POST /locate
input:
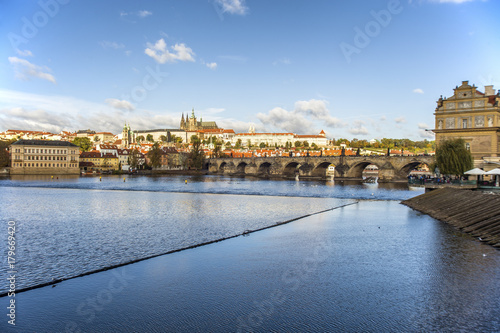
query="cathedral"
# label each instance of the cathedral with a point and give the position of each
(192, 124)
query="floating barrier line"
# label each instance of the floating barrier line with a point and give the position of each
(244, 233)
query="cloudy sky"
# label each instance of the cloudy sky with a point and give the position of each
(357, 69)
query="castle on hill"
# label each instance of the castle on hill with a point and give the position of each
(192, 124)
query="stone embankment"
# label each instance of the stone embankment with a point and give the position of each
(474, 212)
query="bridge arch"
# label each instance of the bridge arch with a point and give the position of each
(264, 169)
(321, 169)
(356, 171)
(291, 169)
(241, 167)
(407, 168)
(222, 167)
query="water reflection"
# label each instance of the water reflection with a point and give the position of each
(64, 232)
(226, 185)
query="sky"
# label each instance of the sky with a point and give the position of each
(364, 69)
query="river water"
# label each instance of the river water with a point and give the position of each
(374, 265)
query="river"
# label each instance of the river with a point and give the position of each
(373, 265)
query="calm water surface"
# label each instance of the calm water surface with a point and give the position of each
(372, 266)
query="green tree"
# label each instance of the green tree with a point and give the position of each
(84, 143)
(4, 153)
(154, 155)
(314, 146)
(262, 145)
(195, 138)
(218, 151)
(96, 138)
(140, 138)
(298, 144)
(134, 158)
(149, 138)
(163, 138)
(453, 158)
(196, 155)
(305, 144)
(238, 144)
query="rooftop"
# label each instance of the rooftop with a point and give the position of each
(44, 143)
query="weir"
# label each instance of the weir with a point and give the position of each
(476, 213)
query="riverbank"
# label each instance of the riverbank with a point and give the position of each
(474, 212)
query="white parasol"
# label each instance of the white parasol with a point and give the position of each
(493, 172)
(475, 172)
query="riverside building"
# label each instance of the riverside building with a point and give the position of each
(42, 157)
(475, 117)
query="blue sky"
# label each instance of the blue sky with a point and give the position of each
(356, 69)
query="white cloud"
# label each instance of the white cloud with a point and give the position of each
(306, 118)
(383, 118)
(144, 13)
(19, 110)
(140, 13)
(400, 120)
(418, 91)
(160, 53)
(358, 128)
(111, 45)
(233, 6)
(26, 70)
(425, 134)
(423, 126)
(283, 61)
(119, 104)
(25, 53)
(212, 65)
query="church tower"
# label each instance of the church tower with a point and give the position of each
(125, 136)
(183, 122)
(193, 124)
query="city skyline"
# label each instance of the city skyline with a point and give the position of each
(363, 69)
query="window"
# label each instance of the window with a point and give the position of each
(467, 146)
(464, 123)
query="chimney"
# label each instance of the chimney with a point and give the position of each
(465, 83)
(489, 91)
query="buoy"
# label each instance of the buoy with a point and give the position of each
(124, 180)
(186, 181)
(52, 177)
(100, 178)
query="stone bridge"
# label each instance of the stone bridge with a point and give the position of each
(391, 168)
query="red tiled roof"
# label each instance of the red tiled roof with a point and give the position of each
(274, 134)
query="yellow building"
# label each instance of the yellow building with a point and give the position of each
(42, 157)
(99, 162)
(475, 117)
